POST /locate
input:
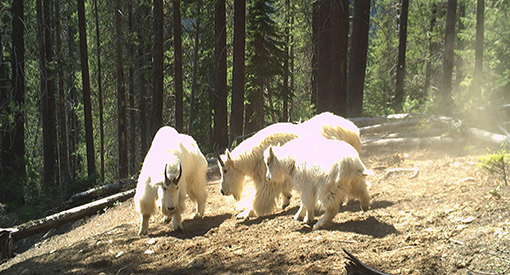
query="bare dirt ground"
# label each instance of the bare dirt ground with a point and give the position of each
(445, 220)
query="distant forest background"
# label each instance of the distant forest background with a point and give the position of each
(84, 85)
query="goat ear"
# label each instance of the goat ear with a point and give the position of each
(271, 154)
(176, 180)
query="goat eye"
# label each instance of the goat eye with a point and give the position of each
(164, 188)
(225, 171)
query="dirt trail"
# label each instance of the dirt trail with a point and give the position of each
(442, 221)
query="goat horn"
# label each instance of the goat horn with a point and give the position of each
(167, 181)
(215, 148)
(176, 180)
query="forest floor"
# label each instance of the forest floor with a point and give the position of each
(450, 218)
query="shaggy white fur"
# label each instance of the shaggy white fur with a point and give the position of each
(326, 172)
(173, 167)
(334, 127)
(247, 159)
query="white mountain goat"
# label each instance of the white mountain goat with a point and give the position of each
(247, 159)
(173, 167)
(332, 126)
(328, 172)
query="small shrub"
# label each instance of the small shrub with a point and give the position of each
(496, 163)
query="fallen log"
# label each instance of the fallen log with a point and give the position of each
(496, 139)
(101, 191)
(391, 126)
(415, 171)
(368, 121)
(428, 133)
(55, 220)
(415, 142)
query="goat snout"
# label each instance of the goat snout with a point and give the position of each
(223, 192)
(170, 208)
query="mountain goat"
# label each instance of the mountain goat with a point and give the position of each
(334, 127)
(173, 167)
(328, 172)
(247, 159)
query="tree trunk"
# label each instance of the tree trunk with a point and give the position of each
(65, 176)
(432, 48)
(144, 82)
(237, 109)
(74, 123)
(157, 97)
(5, 139)
(323, 54)
(446, 93)
(18, 72)
(121, 95)
(132, 159)
(52, 221)
(195, 69)
(402, 42)
(459, 64)
(99, 93)
(480, 9)
(89, 135)
(358, 58)
(220, 98)
(287, 91)
(339, 45)
(178, 66)
(315, 53)
(47, 94)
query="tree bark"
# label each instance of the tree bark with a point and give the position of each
(358, 58)
(179, 91)
(99, 93)
(89, 135)
(132, 155)
(287, 90)
(63, 150)
(237, 109)
(339, 44)
(74, 123)
(480, 9)
(121, 95)
(47, 94)
(220, 98)
(391, 126)
(446, 93)
(18, 71)
(459, 63)
(432, 48)
(157, 67)
(411, 142)
(144, 77)
(402, 43)
(323, 54)
(33, 227)
(315, 53)
(195, 69)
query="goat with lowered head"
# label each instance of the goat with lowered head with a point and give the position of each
(247, 159)
(325, 172)
(173, 167)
